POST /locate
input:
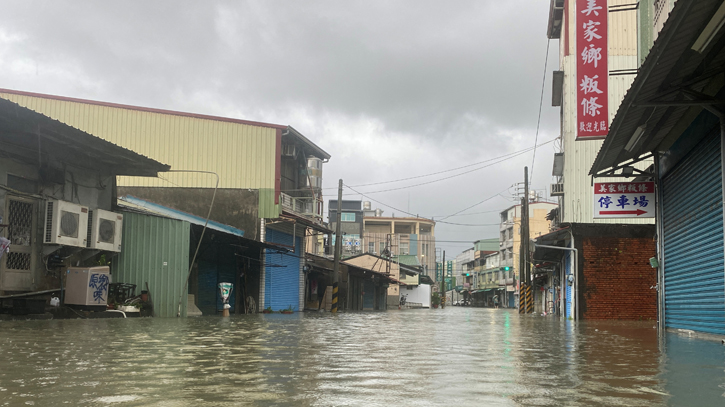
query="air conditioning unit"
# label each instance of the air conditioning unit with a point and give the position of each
(104, 230)
(66, 223)
(557, 189)
(288, 150)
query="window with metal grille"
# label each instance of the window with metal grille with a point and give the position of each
(18, 261)
(20, 223)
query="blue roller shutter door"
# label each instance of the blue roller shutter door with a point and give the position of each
(692, 214)
(282, 275)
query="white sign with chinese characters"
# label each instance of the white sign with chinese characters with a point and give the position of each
(624, 200)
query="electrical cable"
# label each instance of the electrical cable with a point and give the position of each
(452, 176)
(474, 205)
(541, 103)
(501, 158)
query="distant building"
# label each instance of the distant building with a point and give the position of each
(393, 236)
(351, 226)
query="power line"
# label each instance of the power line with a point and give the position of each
(415, 215)
(541, 103)
(474, 205)
(446, 178)
(499, 158)
(509, 155)
(451, 176)
(467, 214)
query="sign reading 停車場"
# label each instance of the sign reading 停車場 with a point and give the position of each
(592, 95)
(624, 200)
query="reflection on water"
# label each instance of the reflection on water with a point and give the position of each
(456, 356)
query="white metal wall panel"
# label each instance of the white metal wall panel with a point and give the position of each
(577, 203)
(694, 273)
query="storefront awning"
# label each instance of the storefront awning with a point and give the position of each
(681, 76)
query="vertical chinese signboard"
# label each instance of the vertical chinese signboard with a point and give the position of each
(592, 71)
(624, 200)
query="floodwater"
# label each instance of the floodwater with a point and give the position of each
(457, 356)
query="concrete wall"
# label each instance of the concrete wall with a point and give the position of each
(94, 189)
(233, 207)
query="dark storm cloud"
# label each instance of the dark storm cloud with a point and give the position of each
(389, 88)
(438, 69)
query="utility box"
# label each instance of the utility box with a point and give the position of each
(87, 285)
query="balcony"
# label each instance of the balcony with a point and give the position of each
(305, 206)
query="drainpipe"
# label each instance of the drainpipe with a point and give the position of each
(574, 264)
(660, 250)
(262, 276)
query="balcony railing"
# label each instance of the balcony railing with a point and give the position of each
(305, 206)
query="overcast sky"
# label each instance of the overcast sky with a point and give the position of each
(391, 89)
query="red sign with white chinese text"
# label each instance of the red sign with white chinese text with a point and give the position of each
(592, 95)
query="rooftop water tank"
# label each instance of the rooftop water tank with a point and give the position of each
(314, 173)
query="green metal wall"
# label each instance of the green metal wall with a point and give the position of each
(155, 250)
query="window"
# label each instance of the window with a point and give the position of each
(382, 247)
(371, 247)
(348, 217)
(404, 247)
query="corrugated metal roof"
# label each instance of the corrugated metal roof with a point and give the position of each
(54, 138)
(155, 208)
(670, 66)
(490, 245)
(407, 259)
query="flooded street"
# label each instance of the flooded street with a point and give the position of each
(456, 356)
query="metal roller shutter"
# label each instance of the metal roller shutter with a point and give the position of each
(282, 273)
(694, 277)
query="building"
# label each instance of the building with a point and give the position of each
(573, 187)
(610, 272)
(599, 54)
(53, 179)
(360, 288)
(510, 237)
(393, 272)
(408, 236)
(351, 226)
(491, 280)
(263, 178)
(673, 113)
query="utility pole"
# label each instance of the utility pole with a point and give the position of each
(525, 243)
(522, 272)
(443, 281)
(338, 249)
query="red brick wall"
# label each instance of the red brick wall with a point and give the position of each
(617, 278)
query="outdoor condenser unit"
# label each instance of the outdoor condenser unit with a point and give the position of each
(104, 230)
(87, 285)
(65, 223)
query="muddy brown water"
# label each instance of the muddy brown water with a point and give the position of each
(452, 357)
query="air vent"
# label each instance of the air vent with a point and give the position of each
(89, 235)
(49, 222)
